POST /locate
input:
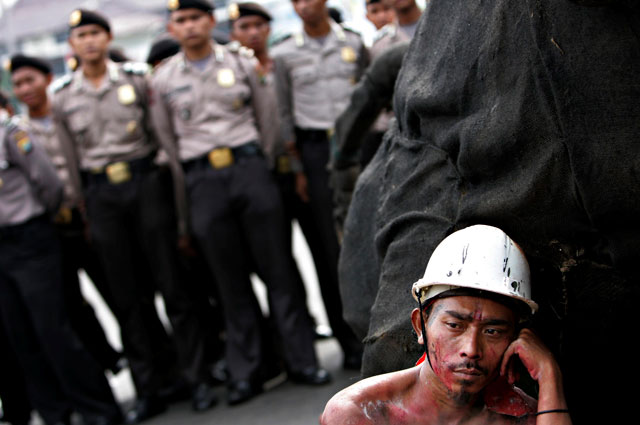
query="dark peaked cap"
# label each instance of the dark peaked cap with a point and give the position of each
(173, 5)
(239, 10)
(80, 17)
(19, 61)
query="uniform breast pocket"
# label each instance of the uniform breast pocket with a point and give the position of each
(303, 75)
(79, 120)
(127, 121)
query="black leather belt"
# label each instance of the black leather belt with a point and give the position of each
(118, 172)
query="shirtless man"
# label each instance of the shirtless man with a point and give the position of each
(475, 295)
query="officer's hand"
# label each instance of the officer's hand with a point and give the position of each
(301, 187)
(185, 246)
(533, 354)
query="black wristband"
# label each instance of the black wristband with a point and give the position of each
(552, 411)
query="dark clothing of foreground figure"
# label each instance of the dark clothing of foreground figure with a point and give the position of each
(523, 115)
(355, 143)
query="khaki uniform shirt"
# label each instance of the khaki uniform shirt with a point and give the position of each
(46, 136)
(99, 126)
(198, 111)
(29, 185)
(314, 80)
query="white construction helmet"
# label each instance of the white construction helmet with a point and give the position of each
(478, 257)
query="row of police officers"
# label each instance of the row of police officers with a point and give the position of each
(217, 150)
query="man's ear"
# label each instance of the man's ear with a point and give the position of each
(417, 326)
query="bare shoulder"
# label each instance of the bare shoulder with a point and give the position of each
(359, 403)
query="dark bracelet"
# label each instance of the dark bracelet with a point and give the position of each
(552, 411)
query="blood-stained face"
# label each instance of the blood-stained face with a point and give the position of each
(466, 339)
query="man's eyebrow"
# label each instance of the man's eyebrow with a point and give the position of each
(469, 318)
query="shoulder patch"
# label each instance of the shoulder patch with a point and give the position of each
(137, 68)
(61, 82)
(23, 141)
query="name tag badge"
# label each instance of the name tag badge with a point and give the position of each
(226, 77)
(126, 94)
(348, 54)
(118, 172)
(221, 158)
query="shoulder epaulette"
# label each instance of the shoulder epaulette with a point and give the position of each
(388, 30)
(351, 30)
(236, 47)
(61, 83)
(137, 68)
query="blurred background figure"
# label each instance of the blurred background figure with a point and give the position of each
(380, 12)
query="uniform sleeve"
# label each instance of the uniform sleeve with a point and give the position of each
(67, 146)
(30, 157)
(167, 139)
(285, 101)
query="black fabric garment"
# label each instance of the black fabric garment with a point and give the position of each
(59, 373)
(525, 116)
(133, 230)
(235, 209)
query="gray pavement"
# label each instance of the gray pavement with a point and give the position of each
(285, 404)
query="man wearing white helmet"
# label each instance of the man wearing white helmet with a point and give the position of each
(474, 297)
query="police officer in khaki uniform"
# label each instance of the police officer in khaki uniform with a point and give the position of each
(316, 70)
(206, 98)
(30, 77)
(402, 29)
(104, 126)
(379, 12)
(60, 374)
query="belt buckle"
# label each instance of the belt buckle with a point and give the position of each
(118, 172)
(221, 158)
(64, 216)
(284, 165)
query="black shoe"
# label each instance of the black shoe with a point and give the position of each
(311, 375)
(103, 420)
(241, 391)
(203, 397)
(119, 365)
(145, 408)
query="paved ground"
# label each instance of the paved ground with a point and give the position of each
(284, 404)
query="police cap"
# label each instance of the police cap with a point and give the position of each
(240, 10)
(80, 17)
(205, 5)
(162, 49)
(19, 61)
(368, 2)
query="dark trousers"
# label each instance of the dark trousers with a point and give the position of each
(133, 230)
(59, 372)
(320, 232)
(235, 210)
(16, 408)
(78, 254)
